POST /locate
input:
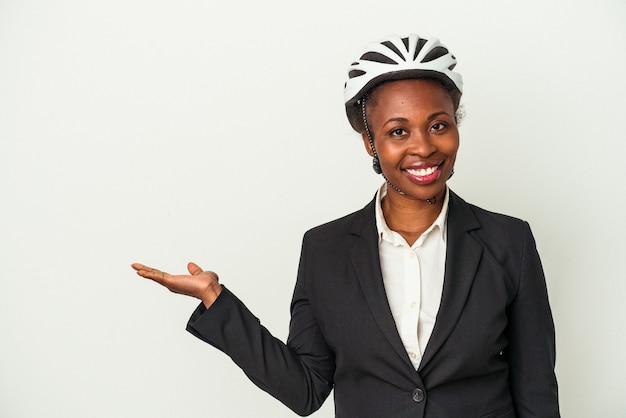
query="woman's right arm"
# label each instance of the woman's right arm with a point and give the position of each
(299, 373)
(299, 376)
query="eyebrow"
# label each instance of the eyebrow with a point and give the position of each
(431, 117)
(396, 120)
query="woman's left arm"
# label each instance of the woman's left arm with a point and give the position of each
(531, 350)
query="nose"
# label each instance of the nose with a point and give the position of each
(421, 144)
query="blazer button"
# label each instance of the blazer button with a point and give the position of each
(418, 395)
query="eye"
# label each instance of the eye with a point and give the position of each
(397, 132)
(439, 126)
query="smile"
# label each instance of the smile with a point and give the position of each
(422, 172)
(423, 175)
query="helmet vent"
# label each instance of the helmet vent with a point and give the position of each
(420, 44)
(405, 41)
(391, 46)
(377, 57)
(355, 73)
(435, 53)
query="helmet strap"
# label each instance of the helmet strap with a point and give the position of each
(375, 160)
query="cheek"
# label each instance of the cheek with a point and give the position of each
(455, 149)
(451, 146)
(389, 152)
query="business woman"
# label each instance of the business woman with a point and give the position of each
(417, 305)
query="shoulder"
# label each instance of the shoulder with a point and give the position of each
(502, 235)
(484, 220)
(506, 238)
(356, 223)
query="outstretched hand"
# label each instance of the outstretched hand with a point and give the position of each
(203, 285)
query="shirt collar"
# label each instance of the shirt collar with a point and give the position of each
(386, 234)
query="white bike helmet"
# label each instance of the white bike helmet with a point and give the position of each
(397, 58)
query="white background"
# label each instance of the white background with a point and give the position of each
(169, 131)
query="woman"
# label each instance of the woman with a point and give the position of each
(418, 305)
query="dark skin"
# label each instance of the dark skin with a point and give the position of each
(415, 134)
(203, 285)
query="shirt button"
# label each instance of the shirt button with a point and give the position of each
(413, 305)
(412, 355)
(418, 395)
(412, 255)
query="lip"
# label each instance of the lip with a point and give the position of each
(423, 173)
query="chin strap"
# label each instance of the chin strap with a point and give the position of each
(375, 160)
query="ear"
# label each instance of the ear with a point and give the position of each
(366, 142)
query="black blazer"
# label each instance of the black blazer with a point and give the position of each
(491, 353)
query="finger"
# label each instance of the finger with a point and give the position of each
(142, 269)
(138, 266)
(158, 276)
(194, 269)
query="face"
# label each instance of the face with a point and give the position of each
(415, 134)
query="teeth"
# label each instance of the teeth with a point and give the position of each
(423, 171)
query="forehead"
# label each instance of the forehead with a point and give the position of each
(410, 92)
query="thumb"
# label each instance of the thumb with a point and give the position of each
(194, 269)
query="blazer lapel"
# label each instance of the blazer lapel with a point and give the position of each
(463, 255)
(366, 262)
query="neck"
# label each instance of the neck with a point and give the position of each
(408, 216)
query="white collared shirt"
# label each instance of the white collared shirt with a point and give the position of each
(413, 277)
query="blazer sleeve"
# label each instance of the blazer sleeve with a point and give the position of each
(299, 373)
(531, 350)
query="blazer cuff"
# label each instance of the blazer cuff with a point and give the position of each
(223, 324)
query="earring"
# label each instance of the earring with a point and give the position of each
(451, 173)
(376, 165)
